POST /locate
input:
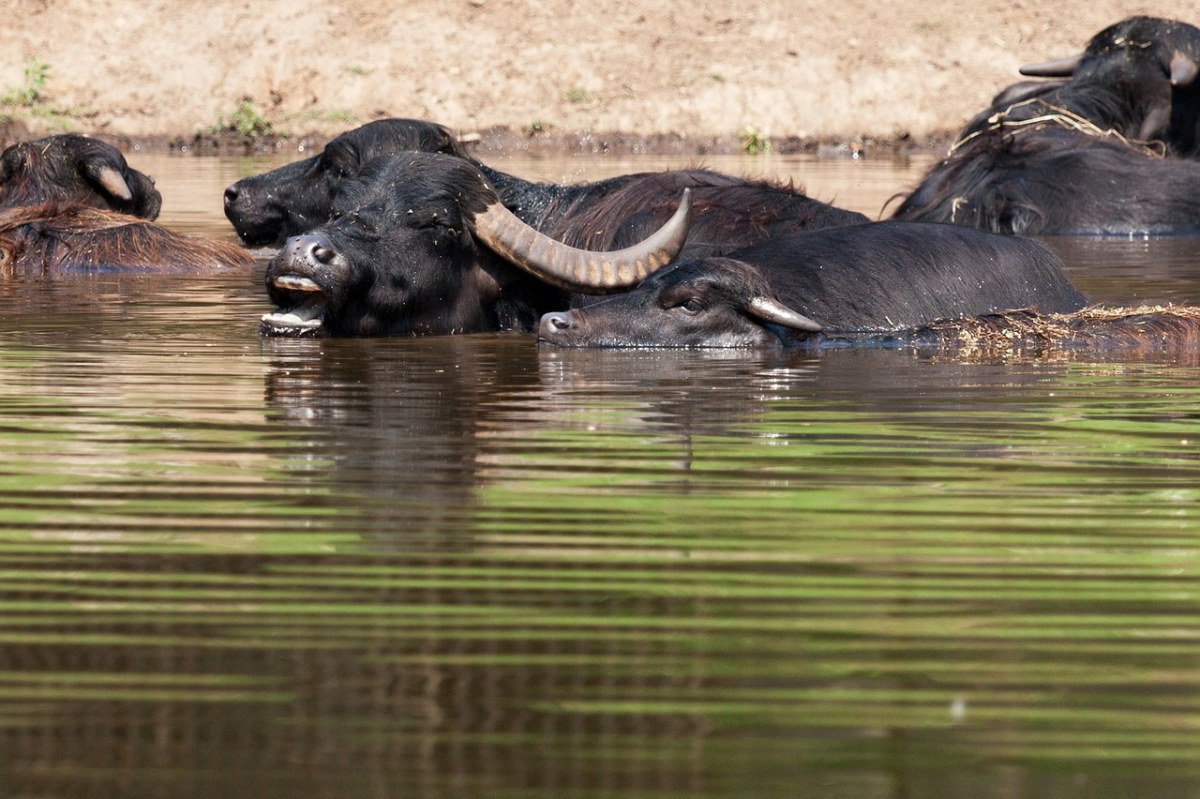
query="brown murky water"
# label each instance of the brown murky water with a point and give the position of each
(466, 566)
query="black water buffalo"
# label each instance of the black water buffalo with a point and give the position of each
(69, 168)
(875, 280)
(412, 247)
(266, 209)
(1054, 180)
(49, 239)
(294, 199)
(1137, 78)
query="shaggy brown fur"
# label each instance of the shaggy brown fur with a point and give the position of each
(51, 238)
(1144, 329)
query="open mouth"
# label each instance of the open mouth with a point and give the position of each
(302, 319)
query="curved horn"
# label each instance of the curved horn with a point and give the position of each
(112, 182)
(1058, 68)
(582, 270)
(774, 311)
(1183, 70)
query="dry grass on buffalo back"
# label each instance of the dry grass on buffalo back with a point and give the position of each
(1144, 329)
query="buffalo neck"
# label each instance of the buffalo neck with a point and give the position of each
(547, 206)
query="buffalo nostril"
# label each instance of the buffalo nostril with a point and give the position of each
(321, 254)
(231, 195)
(558, 321)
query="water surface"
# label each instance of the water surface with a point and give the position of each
(466, 566)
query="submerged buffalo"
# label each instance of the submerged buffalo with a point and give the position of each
(877, 280)
(266, 209)
(50, 239)
(1056, 181)
(424, 244)
(73, 169)
(295, 199)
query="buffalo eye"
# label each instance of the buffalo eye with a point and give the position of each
(693, 305)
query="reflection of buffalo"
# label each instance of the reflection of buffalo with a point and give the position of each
(265, 209)
(879, 279)
(49, 239)
(401, 422)
(73, 169)
(426, 243)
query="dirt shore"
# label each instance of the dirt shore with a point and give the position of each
(631, 75)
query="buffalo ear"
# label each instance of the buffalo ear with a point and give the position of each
(770, 310)
(1183, 70)
(1157, 118)
(109, 180)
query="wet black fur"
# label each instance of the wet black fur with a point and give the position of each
(404, 224)
(266, 209)
(1122, 84)
(876, 278)
(1058, 181)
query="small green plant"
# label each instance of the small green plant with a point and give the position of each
(576, 95)
(29, 93)
(247, 121)
(535, 127)
(753, 142)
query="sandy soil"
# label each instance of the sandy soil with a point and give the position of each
(662, 75)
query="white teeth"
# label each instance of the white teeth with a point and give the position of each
(306, 316)
(295, 283)
(289, 319)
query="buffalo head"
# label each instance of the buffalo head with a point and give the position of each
(712, 302)
(295, 198)
(69, 168)
(1147, 63)
(421, 244)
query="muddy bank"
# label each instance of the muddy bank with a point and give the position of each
(707, 77)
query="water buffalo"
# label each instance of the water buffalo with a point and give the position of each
(69, 168)
(49, 239)
(876, 280)
(412, 248)
(1054, 181)
(266, 209)
(294, 199)
(1136, 78)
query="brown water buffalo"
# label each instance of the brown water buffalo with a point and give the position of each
(73, 169)
(51, 239)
